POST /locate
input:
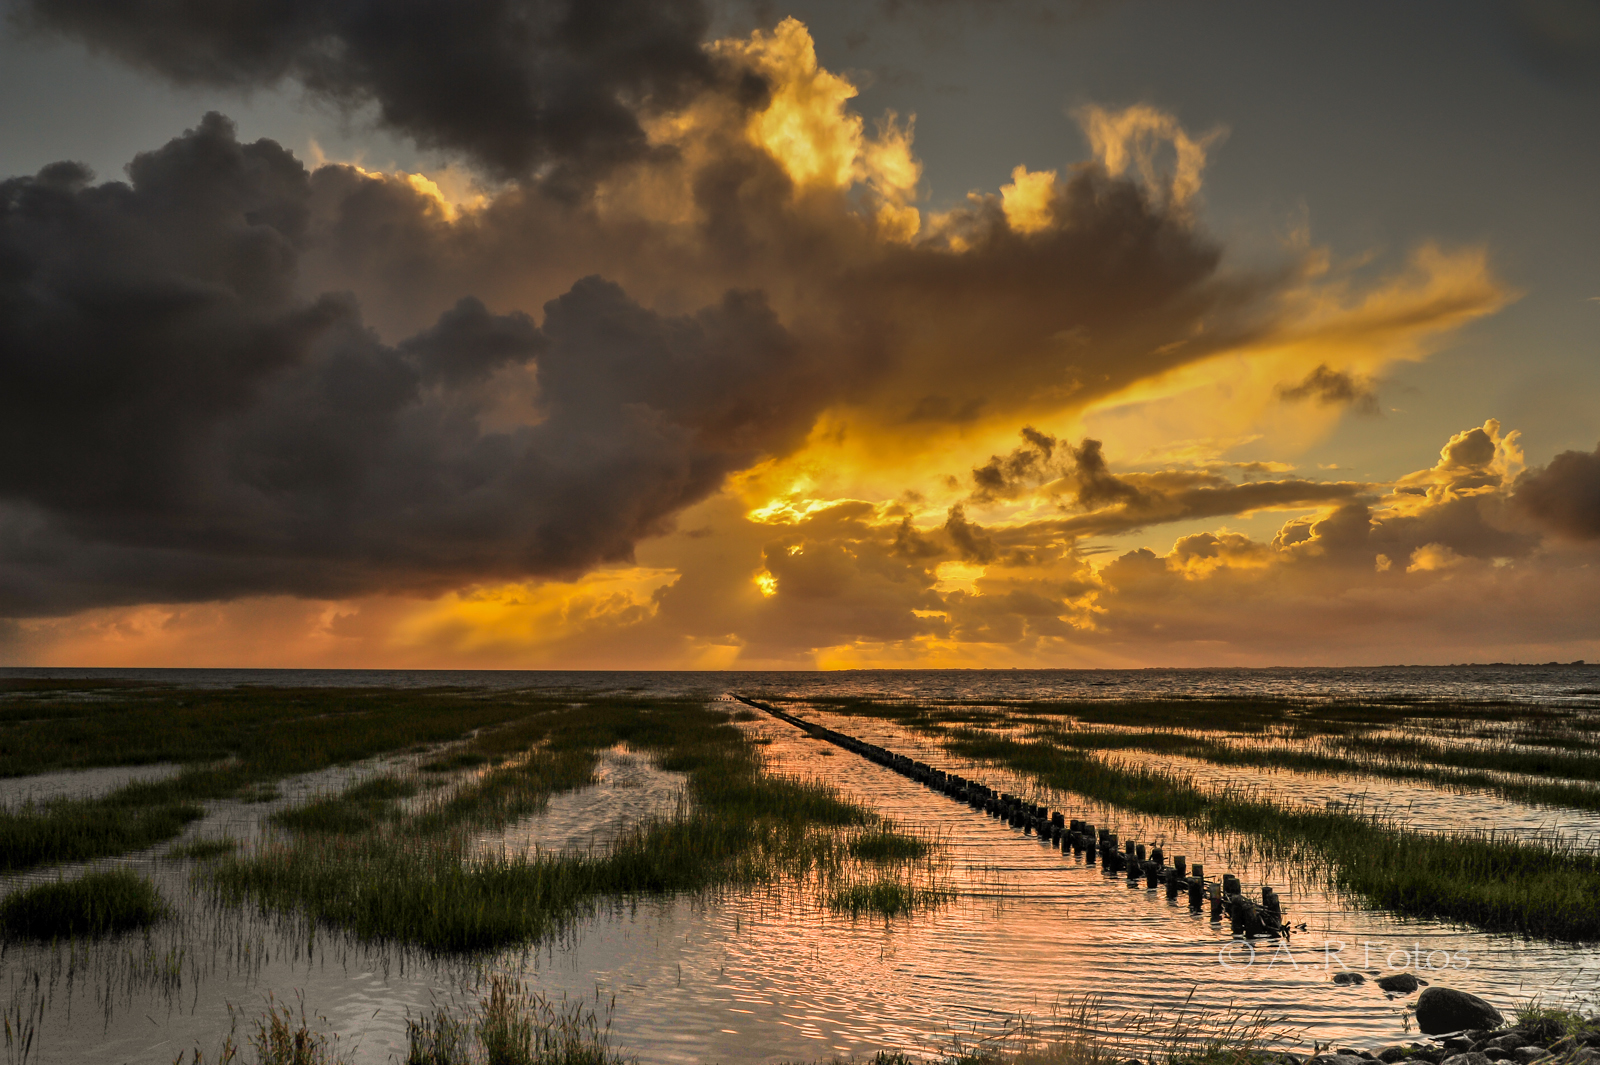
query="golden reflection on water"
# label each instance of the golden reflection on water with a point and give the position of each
(766, 974)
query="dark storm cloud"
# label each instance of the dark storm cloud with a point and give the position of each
(1169, 498)
(516, 85)
(1331, 387)
(1081, 470)
(1565, 495)
(1122, 503)
(179, 424)
(1115, 289)
(1117, 286)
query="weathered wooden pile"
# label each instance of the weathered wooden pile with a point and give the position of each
(1225, 898)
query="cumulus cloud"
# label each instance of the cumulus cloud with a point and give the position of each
(234, 376)
(1079, 479)
(1565, 495)
(524, 88)
(193, 429)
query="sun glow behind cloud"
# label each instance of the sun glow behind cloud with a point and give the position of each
(907, 354)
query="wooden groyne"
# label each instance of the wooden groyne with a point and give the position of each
(1224, 897)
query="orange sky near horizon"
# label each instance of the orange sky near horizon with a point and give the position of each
(1051, 424)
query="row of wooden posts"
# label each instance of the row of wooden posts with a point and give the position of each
(1225, 897)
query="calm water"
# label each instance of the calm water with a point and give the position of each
(765, 976)
(1564, 685)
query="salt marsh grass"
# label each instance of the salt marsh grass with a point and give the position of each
(233, 744)
(95, 904)
(885, 844)
(1491, 883)
(201, 850)
(76, 830)
(884, 896)
(416, 878)
(512, 1025)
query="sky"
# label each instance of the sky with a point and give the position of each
(691, 334)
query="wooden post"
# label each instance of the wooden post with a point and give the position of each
(1089, 844)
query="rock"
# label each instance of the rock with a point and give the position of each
(1389, 1055)
(1444, 1009)
(1399, 983)
(1341, 1059)
(1470, 1057)
(1457, 1044)
(1347, 979)
(1496, 1054)
(1527, 1055)
(1509, 1041)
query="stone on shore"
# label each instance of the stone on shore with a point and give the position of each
(1470, 1057)
(1399, 983)
(1342, 1059)
(1444, 1009)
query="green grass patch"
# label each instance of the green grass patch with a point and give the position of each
(269, 732)
(356, 809)
(884, 844)
(1544, 1025)
(1373, 764)
(1339, 732)
(417, 880)
(458, 760)
(93, 905)
(235, 744)
(1494, 884)
(511, 792)
(202, 850)
(883, 896)
(79, 830)
(512, 1025)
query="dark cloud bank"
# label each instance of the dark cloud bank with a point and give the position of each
(177, 424)
(544, 87)
(229, 375)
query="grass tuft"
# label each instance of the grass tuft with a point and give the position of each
(457, 760)
(883, 896)
(886, 845)
(1544, 1025)
(95, 904)
(281, 1038)
(356, 809)
(512, 1025)
(202, 850)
